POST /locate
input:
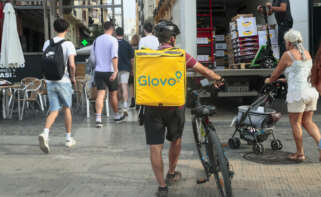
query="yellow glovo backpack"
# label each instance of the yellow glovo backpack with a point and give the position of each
(160, 77)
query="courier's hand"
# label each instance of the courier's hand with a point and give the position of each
(219, 83)
(113, 76)
(267, 80)
(282, 80)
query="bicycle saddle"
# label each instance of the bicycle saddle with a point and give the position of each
(204, 110)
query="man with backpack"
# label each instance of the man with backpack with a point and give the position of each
(57, 53)
(106, 71)
(158, 120)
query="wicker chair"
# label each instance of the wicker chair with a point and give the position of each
(30, 92)
(79, 93)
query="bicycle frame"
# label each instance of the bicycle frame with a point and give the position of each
(208, 126)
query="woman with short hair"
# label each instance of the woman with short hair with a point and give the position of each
(302, 98)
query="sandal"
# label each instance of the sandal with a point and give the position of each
(173, 178)
(296, 157)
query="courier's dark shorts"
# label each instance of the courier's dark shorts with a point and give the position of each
(102, 80)
(159, 120)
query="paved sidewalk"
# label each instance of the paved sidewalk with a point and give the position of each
(114, 161)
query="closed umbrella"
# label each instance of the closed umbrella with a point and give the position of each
(11, 50)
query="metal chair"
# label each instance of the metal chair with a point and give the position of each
(28, 93)
(90, 96)
(6, 97)
(44, 93)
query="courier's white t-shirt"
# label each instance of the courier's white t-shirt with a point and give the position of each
(149, 42)
(68, 49)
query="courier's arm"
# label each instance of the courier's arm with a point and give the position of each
(208, 73)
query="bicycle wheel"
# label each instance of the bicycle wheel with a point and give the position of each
(220, 164)
(200, 142)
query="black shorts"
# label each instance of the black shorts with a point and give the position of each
(159, 122)
(102, 80)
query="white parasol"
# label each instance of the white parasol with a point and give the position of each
(11, 50)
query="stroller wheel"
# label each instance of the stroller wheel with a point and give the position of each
(276, 144)
(234, 143)
(258, 148)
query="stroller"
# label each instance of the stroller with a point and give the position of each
(255, 122)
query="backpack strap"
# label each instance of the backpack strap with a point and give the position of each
(51, 42)
(60, 42)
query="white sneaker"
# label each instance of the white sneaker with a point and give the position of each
(120, 118)
(71, 142)
(43, 143)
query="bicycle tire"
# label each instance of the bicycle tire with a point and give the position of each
(219, 163)
(198, 144)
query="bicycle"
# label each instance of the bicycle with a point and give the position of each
(209, 148)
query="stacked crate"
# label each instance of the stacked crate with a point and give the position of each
(205, 32)
(244, 36)
(221, 59)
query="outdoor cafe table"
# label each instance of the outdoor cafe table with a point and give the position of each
(5, 90)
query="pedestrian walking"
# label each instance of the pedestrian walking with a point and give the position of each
(161, 122)
(283, 16)
(302, 98)
(134, 43)
(149, 41)
(106, 70)
(59, 91)
(125, 62)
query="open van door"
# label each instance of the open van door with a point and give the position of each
(315, 28)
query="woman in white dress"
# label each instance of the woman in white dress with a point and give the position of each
(302, 98)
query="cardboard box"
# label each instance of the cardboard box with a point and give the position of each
(246, 26)
(233, 26)
(263, 27)
(234, 35)
(263, 37)
(242, 15)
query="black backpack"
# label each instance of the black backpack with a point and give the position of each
(53, 61)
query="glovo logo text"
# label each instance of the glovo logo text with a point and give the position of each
(155, 82)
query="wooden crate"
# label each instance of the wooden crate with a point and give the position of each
(80, 70)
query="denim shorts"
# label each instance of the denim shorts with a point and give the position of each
(59, 95)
